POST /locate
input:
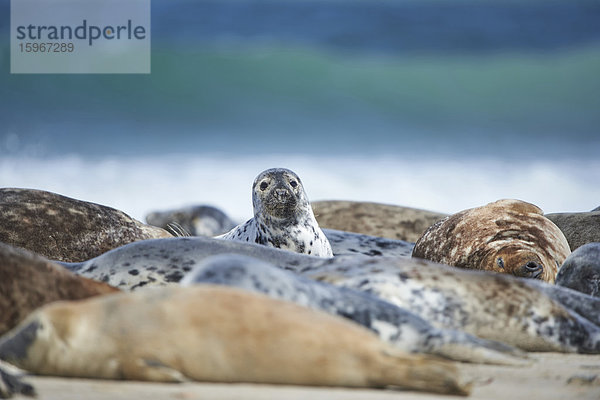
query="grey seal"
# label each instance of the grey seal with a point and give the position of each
(12, 383)
(200, 220)
(581, 270)
(282, 216)
(579, 227)
(392, 324)
(65, 229)
(506, 236)
(375, 219)
(349, 243)
(215, 334)
(492, 306)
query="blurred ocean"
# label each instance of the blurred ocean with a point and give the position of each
(423, 103)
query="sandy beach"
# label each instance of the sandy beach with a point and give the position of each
(553, 376)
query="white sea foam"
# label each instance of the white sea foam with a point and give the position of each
(144, 184)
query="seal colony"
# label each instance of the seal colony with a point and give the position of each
(507, 236)
(491, 306)
(392, 324)
(65, 229)
(214, 334)
(283, 217)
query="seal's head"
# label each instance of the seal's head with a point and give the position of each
(516, 259)
(278, 194)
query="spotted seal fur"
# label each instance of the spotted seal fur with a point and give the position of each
(393, 324)
(492, 306)
(282, 216)
(65, 229)
(507, 236)
(216, 334)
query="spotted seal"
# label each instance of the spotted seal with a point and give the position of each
(216, 334)
(581, 270)
(491, 306)
(375, 219)
(282, 216)
(200, 220)
(393, 324)
(507, 236)
(349, 243)
(28, 281)
(66, 229)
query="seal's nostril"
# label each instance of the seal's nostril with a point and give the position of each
(532, 266)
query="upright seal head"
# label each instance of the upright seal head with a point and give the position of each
(283, 217)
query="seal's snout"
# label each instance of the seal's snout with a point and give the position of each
(530, 270)
(281, 194)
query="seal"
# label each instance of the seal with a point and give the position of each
(28, 281)
(581, 270)
(349, 243)
(507, 236)
(200, 220)
(392, 324)
(215, 334)
(65, 229)
(579, 228)
(282, 216)
(11, 382)
(491, 306)
(375, 219)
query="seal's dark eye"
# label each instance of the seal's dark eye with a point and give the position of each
(263, 185)
(500, 262)
(294, 183)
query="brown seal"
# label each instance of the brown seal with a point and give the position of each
(28, 281)
(579, 228)
(375, 219)
(215, 334)
(508, 236)
(66, 229)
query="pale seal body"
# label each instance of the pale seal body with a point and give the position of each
(66, 229)
(349, 243)
(525, 313)
(215, 334)
(198, 220)
(581, 270)
(375, 219)
(507, 236)
(392, 324)
(283, 217)
(28, 281)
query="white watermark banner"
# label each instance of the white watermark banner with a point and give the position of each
(80, 36)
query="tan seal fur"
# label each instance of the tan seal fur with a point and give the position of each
(375, 219)
(28, 281)
(215, 334)
(66, 229)
(507, 236)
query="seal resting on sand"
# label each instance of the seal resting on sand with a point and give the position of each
(215, 334)
(507, 236)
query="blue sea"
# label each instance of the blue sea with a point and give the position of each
(430, 104)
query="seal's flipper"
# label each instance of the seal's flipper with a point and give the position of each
(11, 382)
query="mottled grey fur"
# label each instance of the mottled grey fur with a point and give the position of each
(393, 324)
(283, 217)
(581, 270)
(522, 312)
